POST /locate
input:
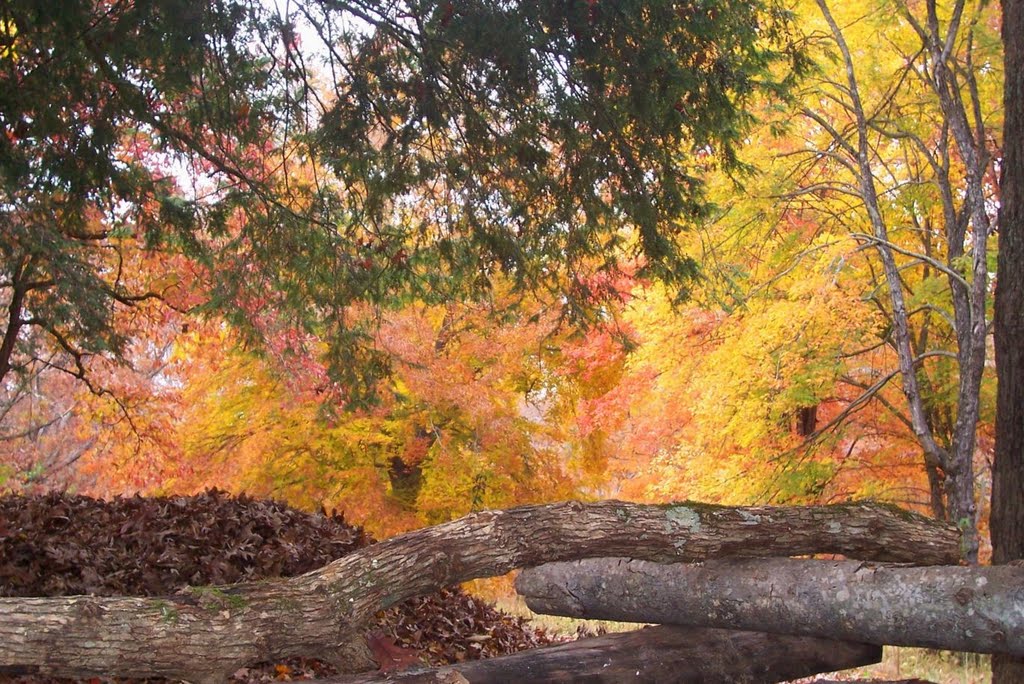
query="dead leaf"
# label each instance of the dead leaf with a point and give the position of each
(389, 656)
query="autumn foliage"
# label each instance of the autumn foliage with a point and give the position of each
(341, 331)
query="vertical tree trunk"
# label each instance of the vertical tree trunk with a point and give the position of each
(945, 62)
(969, 302)
(1008, 470)
(14, 322)
(935, 489)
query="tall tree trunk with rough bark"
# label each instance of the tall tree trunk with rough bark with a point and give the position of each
(1008, 470)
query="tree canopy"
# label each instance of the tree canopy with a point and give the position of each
(417, 203)
(351, 155)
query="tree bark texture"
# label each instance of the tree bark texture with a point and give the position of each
(1007, 521)
(952, 607)
(660, 655)
(204, 634)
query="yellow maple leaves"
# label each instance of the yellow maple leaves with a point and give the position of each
(8, 39)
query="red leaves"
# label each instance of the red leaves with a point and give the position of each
(390, 657)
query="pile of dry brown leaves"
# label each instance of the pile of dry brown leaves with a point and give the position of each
(60, 544)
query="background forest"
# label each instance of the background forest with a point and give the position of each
(220, 293)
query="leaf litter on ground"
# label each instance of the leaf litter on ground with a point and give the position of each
(61, 544)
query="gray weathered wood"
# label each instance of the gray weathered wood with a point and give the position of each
(660, 655)
(977, 609)
(204, 634)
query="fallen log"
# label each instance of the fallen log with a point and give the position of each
(660, 655)
(977, 609)
(203, 634)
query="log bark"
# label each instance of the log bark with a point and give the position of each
(977, 609)
(205, 634)
(660, 655)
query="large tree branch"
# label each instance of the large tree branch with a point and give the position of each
(870, 392)
(652, 655)
(33, 429)
(837, 137)
(957, 608)
(923, 258)
(880, 398)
